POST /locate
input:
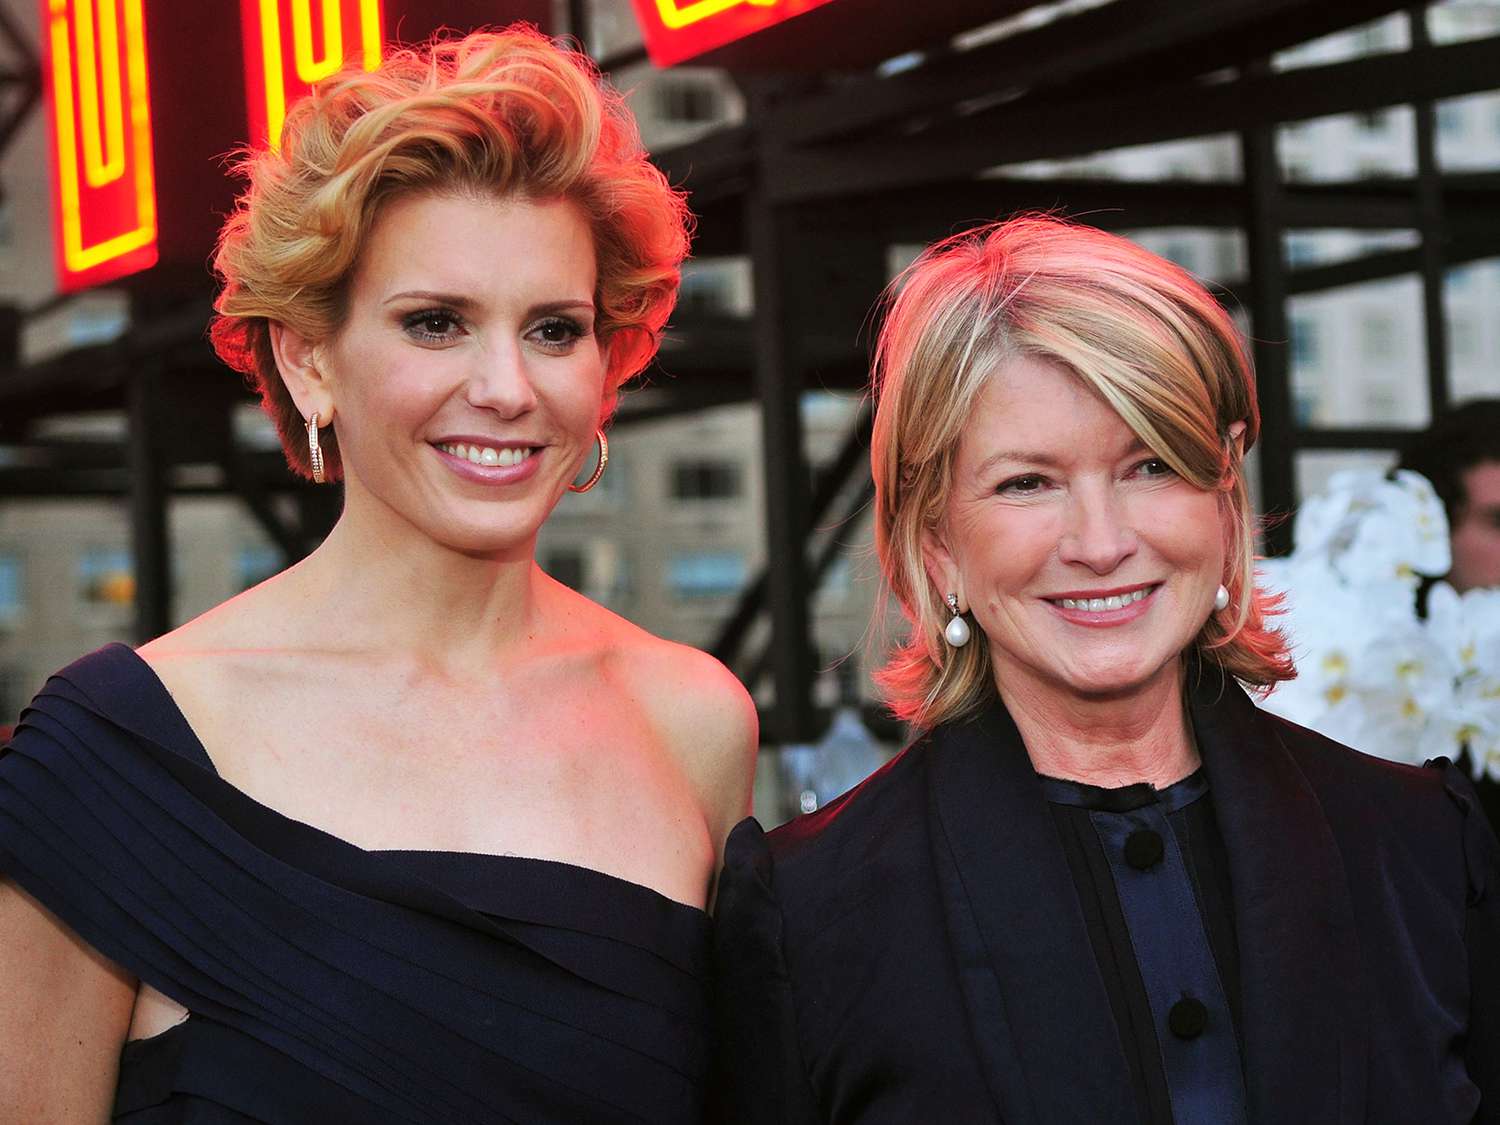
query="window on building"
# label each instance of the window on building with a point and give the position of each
(704, 291)
(1301, 250)
(687, 102)
(106, 577)
(1377, 336)
(1183, 252)
(1460, 279)
(1373, 38)
(255, 563)
(1305, 342)
(1450, 119)
(1375, 121)
(1463, 338)
(705, 480)
(12, 589)
(1382, 402)
(1296, 168)
(706, 574)
(1305, 404)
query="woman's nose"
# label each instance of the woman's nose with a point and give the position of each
(501, 382)
(1099, 534)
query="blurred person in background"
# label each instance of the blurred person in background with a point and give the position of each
(1460, 455)
(1101, 885)
(409, 831)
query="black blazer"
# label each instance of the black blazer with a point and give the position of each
(915, 952)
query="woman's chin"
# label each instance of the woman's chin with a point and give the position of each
(1116, 678)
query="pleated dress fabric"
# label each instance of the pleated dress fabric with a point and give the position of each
(327, 983)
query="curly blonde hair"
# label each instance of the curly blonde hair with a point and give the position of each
(1141, 332)
(494, 113)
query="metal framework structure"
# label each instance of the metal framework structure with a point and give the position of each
(829, 170)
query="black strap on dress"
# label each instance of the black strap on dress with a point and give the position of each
(326, 979)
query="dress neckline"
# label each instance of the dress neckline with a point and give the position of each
(1125, 798)
(186, 738)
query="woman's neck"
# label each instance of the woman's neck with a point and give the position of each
(386, 586)
(1109, 742)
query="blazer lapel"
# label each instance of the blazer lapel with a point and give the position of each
(1038, 1011)
(1302, 977)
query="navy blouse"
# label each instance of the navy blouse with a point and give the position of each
(1153, 883)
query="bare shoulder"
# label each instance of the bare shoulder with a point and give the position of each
(698, 708)
(250, 624)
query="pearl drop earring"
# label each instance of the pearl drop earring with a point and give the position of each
(956, 632)
(1221, 598)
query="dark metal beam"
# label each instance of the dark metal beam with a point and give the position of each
(1432, 223)
(1268, 320)
(778, 383)
(832, 479)
(1059, 127)
(1155, 37)
(146, 459)
(26, 79)
(1353, 438)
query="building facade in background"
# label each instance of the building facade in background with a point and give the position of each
(674, 531)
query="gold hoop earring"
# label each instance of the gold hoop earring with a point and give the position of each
(599, 468)
(315, 451)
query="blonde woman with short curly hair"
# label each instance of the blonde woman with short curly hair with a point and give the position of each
(409, 832)
(1100, 885)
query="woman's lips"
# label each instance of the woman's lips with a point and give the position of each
(1106, 611)
(495, 465)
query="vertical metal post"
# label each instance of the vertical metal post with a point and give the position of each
(1433, 225)
(578, 24)
(146, 457)
(778, 380)
(1268, 319)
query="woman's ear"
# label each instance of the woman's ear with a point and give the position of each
(942, 570)
(1237, 435)
(305, 379)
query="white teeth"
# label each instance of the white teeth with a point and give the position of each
(485, 455)
(1100, 605)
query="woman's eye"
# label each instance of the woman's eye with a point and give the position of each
(432, 325)
(1154, 467)
(558, 334)
(1021, 486)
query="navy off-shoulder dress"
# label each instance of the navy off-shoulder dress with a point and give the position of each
(327, 983)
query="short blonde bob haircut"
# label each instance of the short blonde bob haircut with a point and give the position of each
(494, 114)
(1149, 340)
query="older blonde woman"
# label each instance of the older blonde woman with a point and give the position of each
(410, 832)
(1101, 886)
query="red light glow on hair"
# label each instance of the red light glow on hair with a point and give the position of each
(678, 30)
(104, 190)
(291, 44)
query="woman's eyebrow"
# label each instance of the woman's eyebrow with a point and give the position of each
(437, 298)
(1017, 455)
(464, 303)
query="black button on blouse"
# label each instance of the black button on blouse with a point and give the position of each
(1153, 882)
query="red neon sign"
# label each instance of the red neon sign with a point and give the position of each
(677, 30)
(290, 44)
(104, 191)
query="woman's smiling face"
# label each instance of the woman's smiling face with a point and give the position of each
(466, 379)
(1088, 564)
